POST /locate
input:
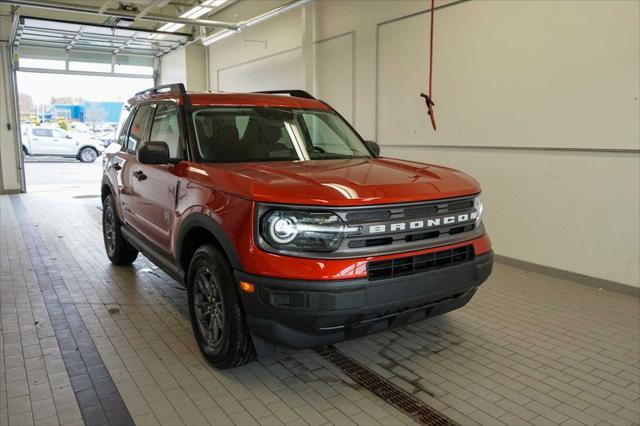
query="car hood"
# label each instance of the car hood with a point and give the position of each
(337, 182)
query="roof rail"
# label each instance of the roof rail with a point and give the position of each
(175, 88)
(294, 93)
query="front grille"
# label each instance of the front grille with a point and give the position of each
(397, 228)
(391, 268)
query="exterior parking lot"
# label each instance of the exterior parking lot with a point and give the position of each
(62, 174)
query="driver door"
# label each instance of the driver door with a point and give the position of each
(156, 186)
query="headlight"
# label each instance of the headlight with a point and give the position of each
(477, 204)
(303, 231)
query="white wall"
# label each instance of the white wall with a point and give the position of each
(185, 65)
(511, 80)
(195, 60)
(173, 67)
(268, 56)
(9, 167)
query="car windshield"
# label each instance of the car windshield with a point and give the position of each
(247, 134)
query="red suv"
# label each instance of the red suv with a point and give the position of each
(283, 224)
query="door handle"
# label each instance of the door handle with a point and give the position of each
(116, 167)
(139, 175)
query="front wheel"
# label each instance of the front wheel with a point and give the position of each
(87, 155)
(216, 312)
(119, 251)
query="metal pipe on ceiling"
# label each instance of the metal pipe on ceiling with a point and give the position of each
(221, 35)
(88, 10)
(272, 13)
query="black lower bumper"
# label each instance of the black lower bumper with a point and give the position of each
(304, 314)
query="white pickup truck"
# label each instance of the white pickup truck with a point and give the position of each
(57, 142)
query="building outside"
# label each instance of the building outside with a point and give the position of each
(78, 112)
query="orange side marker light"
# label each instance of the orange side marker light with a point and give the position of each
(247, 287)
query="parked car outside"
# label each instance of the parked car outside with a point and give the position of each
(284, 225)
(79, 127)
(54, 141)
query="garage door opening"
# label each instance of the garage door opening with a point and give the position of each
(66, 123)
(72, 81)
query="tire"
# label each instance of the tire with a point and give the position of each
(87, 155)
(119, 251)
(213, 293)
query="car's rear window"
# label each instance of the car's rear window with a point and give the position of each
(248, 134)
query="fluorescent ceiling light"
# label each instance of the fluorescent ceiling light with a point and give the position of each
(166, 26)
(214, 3)
(193, 13)
(215, 37)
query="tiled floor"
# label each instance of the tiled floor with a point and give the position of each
(83, 340)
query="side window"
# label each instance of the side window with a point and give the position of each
(58, 134)
(124, 129)
(139, 126)
(42, 133)
(165, 128)
(242, 121)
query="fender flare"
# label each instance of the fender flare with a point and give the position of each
(106, 182)
(207, 222)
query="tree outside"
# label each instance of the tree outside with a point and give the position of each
(27, 108)
(94, 114)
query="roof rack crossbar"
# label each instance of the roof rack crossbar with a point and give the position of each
(175, 88)
(295, 93)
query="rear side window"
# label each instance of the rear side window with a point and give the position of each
(139, 126)
(165, 128)
(43, 133)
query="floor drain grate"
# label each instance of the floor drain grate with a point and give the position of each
(392, 394)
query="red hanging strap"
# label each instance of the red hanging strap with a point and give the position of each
(428, 98)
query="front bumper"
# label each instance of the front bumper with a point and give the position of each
(304, 314)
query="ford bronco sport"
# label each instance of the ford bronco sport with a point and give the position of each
(283, 224)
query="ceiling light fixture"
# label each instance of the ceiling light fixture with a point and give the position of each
(193, 13)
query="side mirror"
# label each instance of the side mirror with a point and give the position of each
(153, 153)
(373, 146)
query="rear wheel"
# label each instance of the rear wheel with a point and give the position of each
(119, 251)
(87, 155)
(217, 316)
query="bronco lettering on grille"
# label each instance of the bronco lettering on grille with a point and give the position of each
(424, 224)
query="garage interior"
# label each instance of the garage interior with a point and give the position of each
(536, 100)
